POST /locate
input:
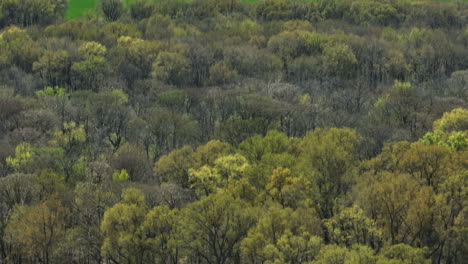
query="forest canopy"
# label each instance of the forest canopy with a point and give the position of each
(234, 132)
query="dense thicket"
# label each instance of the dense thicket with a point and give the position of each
(217, 132)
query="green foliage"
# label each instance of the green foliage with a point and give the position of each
(88, 73)
(112, 9)
(221, 73)
(328, 160)
(120, 227)
(171, 67)
(22, 50)
(71, 135)
(455, 120)
(51, 91)
(325, 109)
(175, 166)
(28, 12)
(23, 156)
(339, 60)
(38, 230)
(161, 229)
(92, 49)
(209, 179)
(351, 226)
(215, 226)
(50, 183)
(449, 131)
(373, 12)
(402, 253)
(53, 66)
(120, 175)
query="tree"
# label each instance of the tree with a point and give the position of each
(328, 157)
(369, 12)
(289, 190)
(70, 139)
(112, 9)
(23, 51)
(455, 120)
(403, 254)
(450, 222)
(458, 83)
(38, 229)
(215, 226)
(10, 109)
(88, 73)
(283, 235)
(120, 227)
(335, 254)
(161, 231)
(290, 45)
(221, 73)
(339, 60)
(205, 180)
(226, 171)
(50, 183)
(23, 156)
(175, 166)
(112, 116)
(402, 107)
(258, 148)
(54, 67)
(84, 239)
(351, 226)
(139, 56)
(15, 190)
(428, 163)
(388, 199)
(250, 61)
(163, 131)
(141, 9)
(176, 100)
(332, 254)
(171, 67)
(134, 162)
(30, 12)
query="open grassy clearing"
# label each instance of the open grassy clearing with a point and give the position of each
(77, 8)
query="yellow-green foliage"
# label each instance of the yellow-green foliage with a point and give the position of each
(120, 175)
(23, 155)
(51, 91)
(71, 134)
(455, 120)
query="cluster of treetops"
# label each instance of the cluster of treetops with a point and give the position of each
(223, 132)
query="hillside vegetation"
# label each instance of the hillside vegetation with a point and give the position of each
(226, 132)
(77, 8)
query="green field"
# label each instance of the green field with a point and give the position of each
(78, 8)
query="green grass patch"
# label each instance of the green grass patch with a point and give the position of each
(77, 8)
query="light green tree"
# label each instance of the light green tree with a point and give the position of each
(215, 226)
(171, 67)
(121, 226)
(23, 156)
(328, 159)
(351, 226)
(161, 232)
(283, 235)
